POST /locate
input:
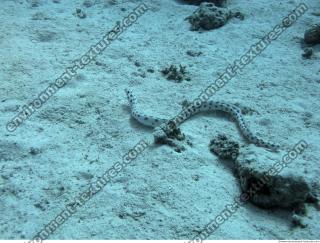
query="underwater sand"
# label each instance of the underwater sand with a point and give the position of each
(86, 127)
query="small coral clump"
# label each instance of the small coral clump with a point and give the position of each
(175, 73)
(168, 133)
(224, 147)
(307, 53)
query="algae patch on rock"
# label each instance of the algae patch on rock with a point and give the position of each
(271, 183)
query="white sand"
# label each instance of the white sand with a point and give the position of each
(86, 126)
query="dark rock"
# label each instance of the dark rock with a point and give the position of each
(312, 35)
(307, 53)
(194, 53)
(238, 15)
(208, 17)
(80, 13)
(272, 187)
(218, 3)
(34, 151)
